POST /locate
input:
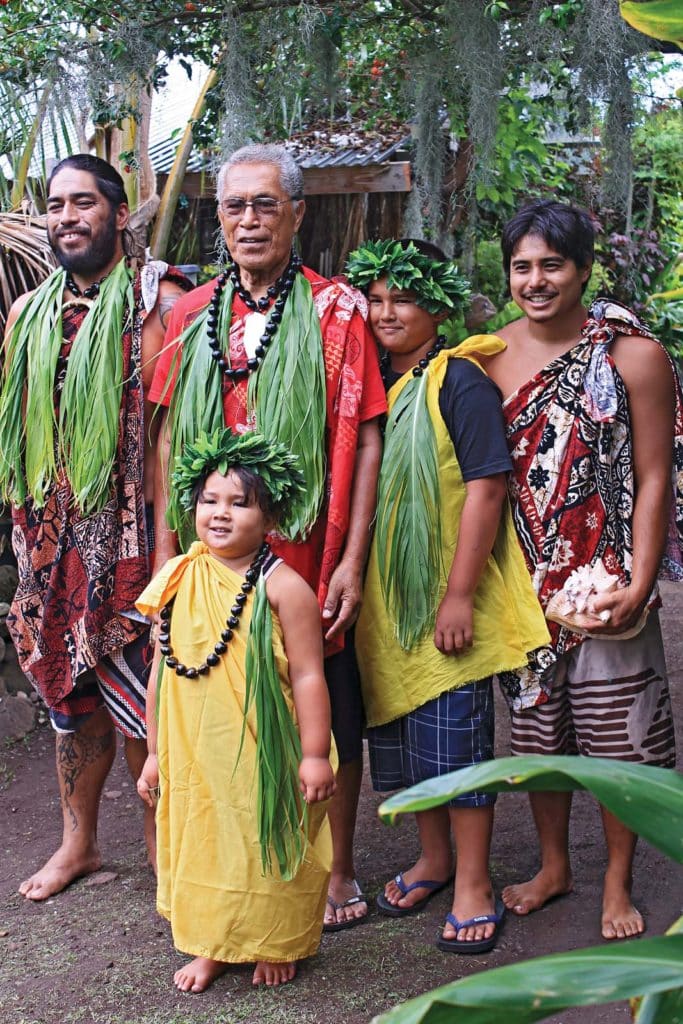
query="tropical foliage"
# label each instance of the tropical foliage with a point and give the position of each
(26, 258)
(502, 99)
(650, 801)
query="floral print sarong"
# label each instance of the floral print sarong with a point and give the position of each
(572, 485)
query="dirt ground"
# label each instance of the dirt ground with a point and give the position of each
(98, 954)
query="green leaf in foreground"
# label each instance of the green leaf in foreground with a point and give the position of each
(530, 991)
(648, 800)
(663, 1007)
(662, 19)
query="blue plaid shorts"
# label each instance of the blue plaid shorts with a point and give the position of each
(455, 730)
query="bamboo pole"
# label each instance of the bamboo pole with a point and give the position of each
(174, 182)
(21, 174)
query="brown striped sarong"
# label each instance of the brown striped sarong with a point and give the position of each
(609, 698)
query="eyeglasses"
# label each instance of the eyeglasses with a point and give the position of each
(263, 206)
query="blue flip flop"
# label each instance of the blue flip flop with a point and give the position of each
(483, 945)
(391, 910)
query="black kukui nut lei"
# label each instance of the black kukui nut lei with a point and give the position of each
(232, 622)
(91, 292)
(422, 365)
(279, 291)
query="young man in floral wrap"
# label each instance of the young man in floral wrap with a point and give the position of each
(592, 406)
(271, 345)
(76, 466)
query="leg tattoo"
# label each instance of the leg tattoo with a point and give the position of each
(74, 753)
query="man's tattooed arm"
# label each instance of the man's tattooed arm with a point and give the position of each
(166, 303)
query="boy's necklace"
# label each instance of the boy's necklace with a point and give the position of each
(421, 365)
(232, 622)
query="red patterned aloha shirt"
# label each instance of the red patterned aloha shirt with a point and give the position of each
(572, 484)
(355, 394)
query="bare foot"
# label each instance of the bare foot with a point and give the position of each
(526, 897)
(620, 919)
(340, 891)
(198, 974)
(266, 973)
(466, 906)
(63, 868)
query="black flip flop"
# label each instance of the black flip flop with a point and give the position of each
(482, 945)
(391, 910)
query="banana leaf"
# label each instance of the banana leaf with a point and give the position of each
(663, 1007)
(648, 800)
(535, 989)
(661, 19)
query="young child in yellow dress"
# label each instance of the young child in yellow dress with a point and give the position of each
(239, 730)
(448, 601)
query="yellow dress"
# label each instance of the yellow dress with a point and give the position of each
(508, 621)
(210, 882)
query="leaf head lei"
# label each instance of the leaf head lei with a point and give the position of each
(438, 285)
(222, 450)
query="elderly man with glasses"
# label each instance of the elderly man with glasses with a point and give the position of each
(271, 344)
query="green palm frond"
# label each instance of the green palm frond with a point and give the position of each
(408, 530)
(91, 399)
(288, 397)
(282, 814)
(196, 403)
(43, 328)
(33, 344)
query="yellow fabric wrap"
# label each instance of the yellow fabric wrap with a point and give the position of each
(210, 885)
(508, 621)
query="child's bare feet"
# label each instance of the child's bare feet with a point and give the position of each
(63, 868)
(620, 919)
(273, 974)
(525, 897)
(198, 974)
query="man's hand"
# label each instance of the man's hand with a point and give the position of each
(317, 779)
(148, 783)
(343, 601)
(625, 607)
(453, 629)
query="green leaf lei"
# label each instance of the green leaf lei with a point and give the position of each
(282, 814)
(408, 531)
(438, 285)
(85, 440)
(286, 394)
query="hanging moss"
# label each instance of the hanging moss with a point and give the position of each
(238, 123)
(605, 49)
(476, 76)
(430, 154)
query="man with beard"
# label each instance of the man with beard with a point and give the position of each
(77, 467)
(271, 345)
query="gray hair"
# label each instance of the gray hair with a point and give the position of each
(291, 175)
